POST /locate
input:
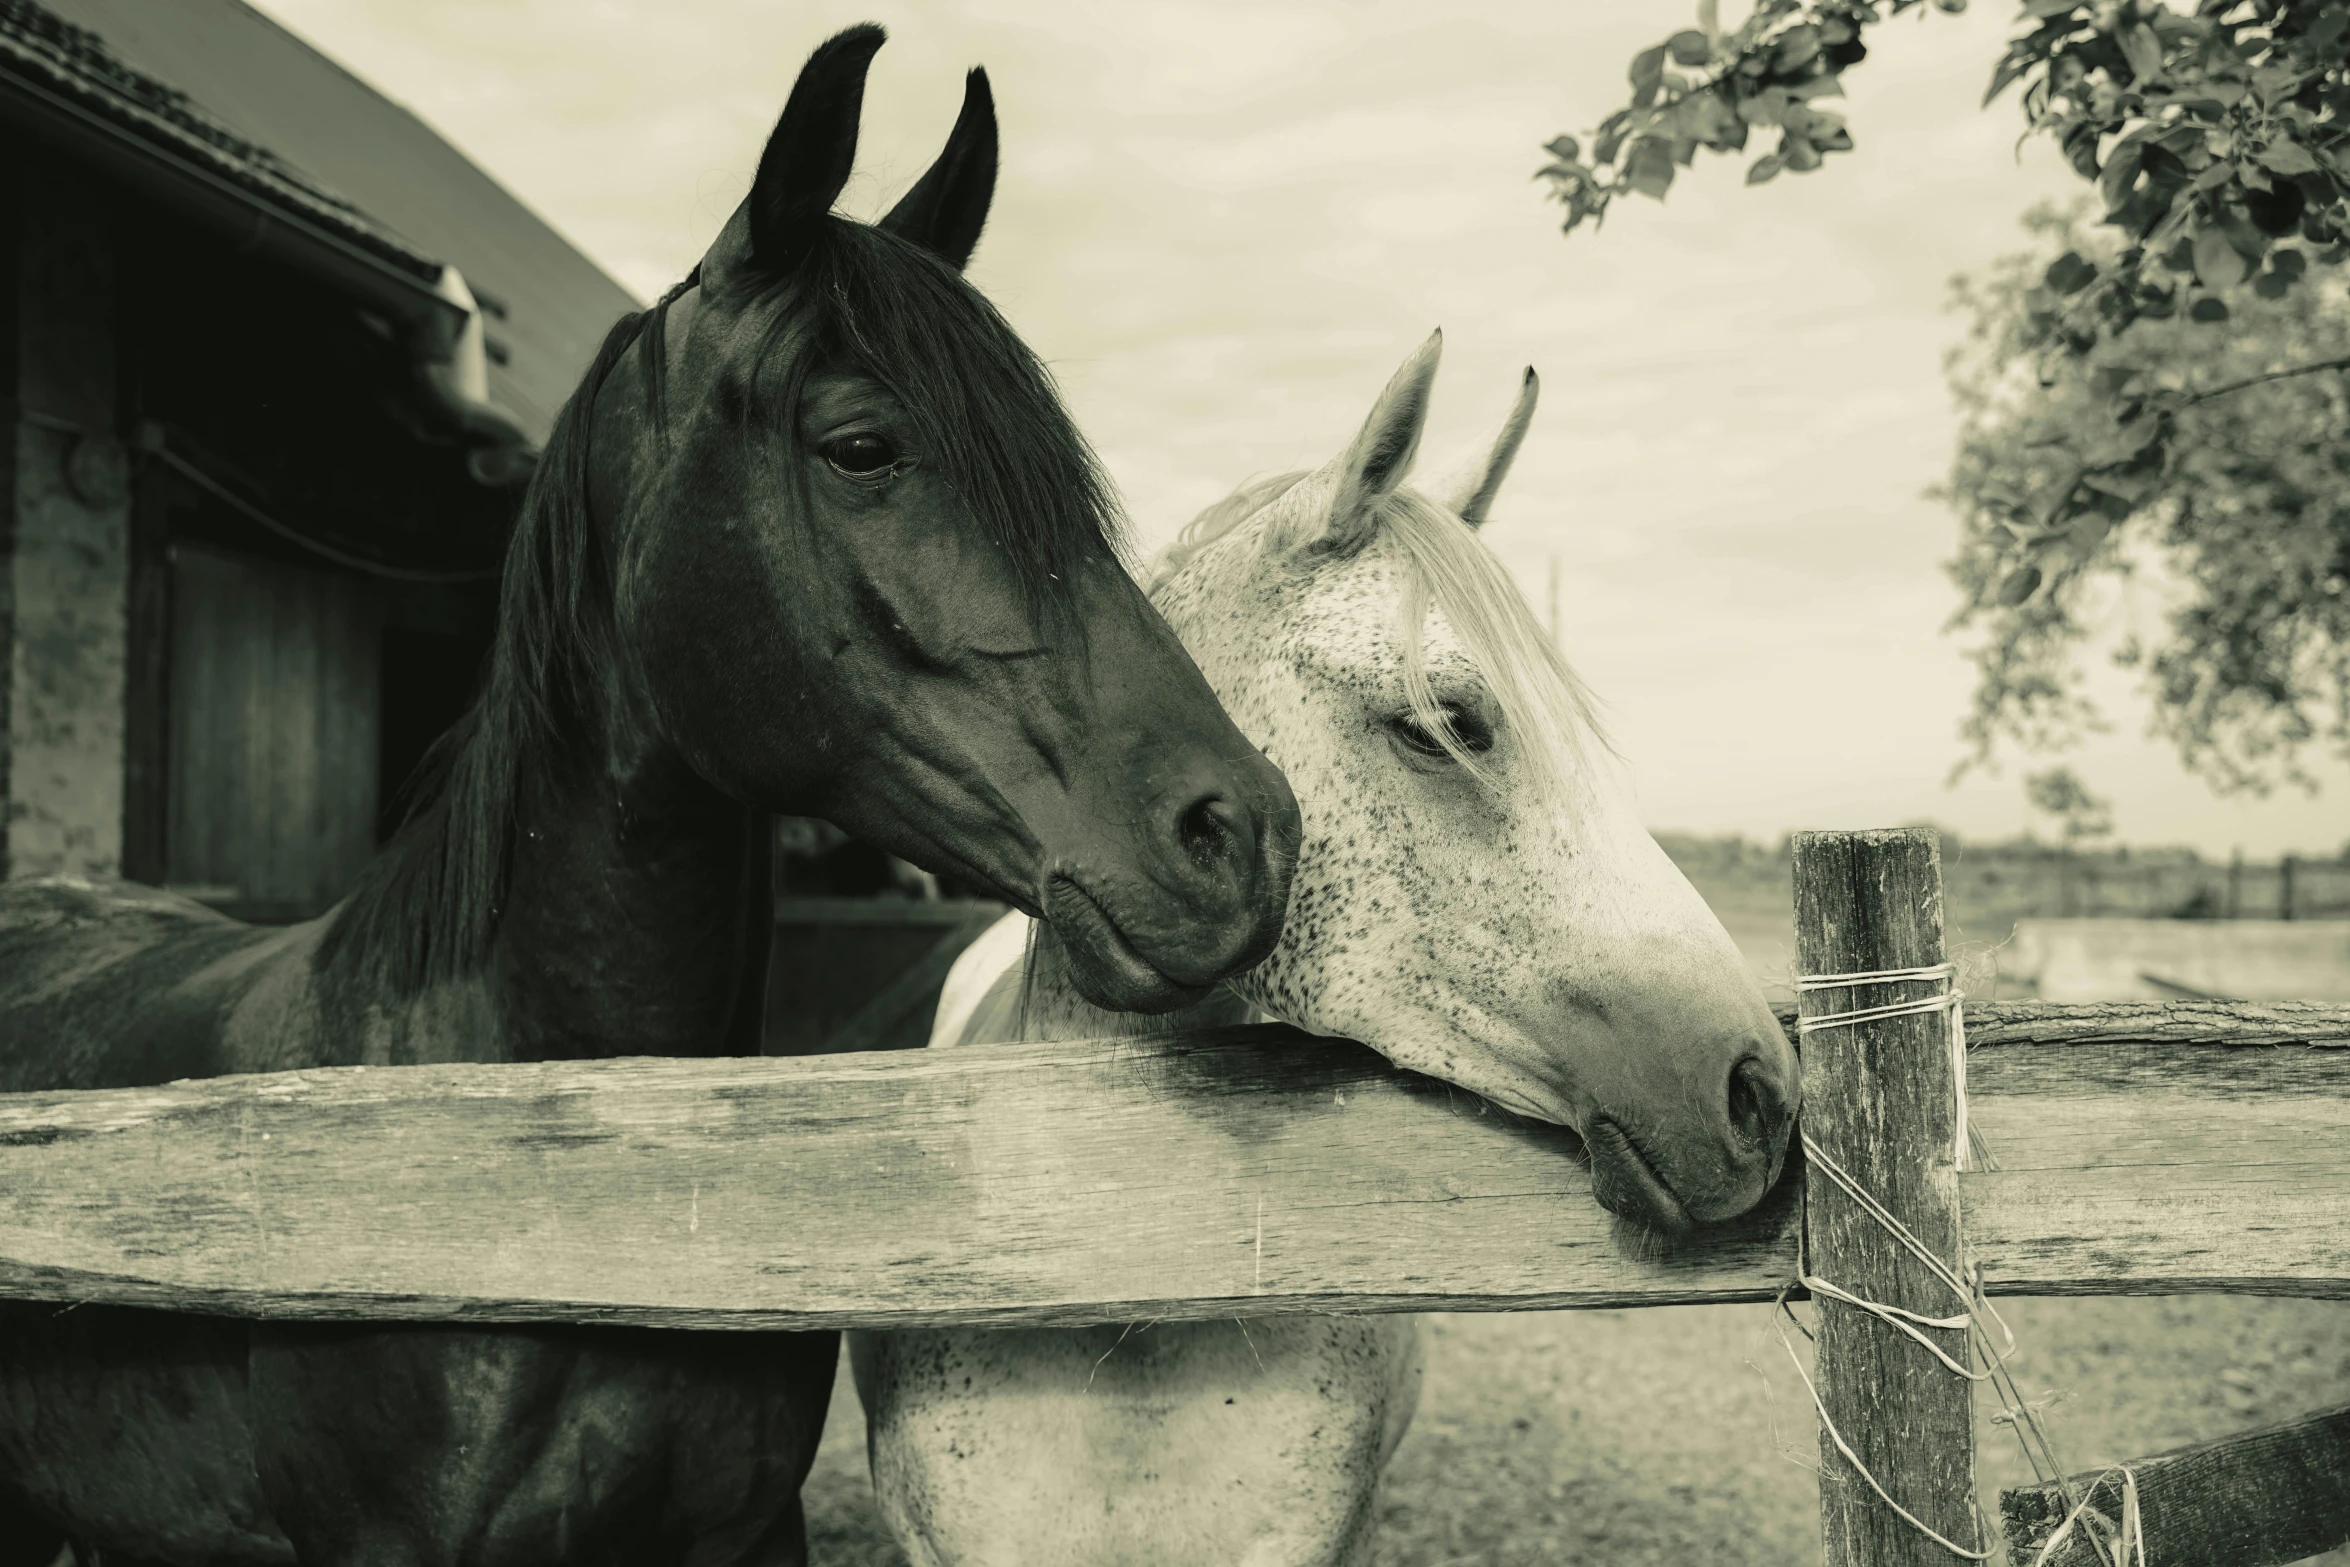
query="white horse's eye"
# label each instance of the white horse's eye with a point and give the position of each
(1468, 733)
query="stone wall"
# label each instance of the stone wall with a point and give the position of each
(67, 543)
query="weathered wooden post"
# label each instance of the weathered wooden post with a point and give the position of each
(1880, 1099)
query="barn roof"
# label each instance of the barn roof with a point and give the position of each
(215, 84)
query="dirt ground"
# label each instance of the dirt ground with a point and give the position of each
(1682, 1435)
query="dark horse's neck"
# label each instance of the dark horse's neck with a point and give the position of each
(616, 910)
(573, 888)
(635, 920)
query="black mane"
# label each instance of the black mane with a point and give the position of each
(426, 907)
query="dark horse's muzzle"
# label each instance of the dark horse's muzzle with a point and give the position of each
(1156, 913)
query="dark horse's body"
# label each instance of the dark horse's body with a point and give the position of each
(814, 536)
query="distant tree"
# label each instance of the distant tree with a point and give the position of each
(2057, 794)
(2182, 453)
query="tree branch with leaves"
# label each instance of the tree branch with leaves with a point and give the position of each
(2225, 494)
(2209, 136)
(2172, 369)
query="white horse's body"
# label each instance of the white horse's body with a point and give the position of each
(1475, 899)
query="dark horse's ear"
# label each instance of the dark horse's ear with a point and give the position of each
(947, 207)
(808, 158)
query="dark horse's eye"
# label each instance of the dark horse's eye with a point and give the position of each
(861, 456)
(1469, 733)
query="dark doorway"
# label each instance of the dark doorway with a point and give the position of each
(430, 678)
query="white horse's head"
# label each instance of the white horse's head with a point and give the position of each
(1475, 896)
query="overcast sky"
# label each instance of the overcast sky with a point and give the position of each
(1224, 225)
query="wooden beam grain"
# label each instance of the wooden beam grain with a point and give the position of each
(1071, 1182)
(1881, 1101)
(2145, 1168)
(2183, 1022)
(1240, 1171)
(2146, 1148)
(2257, 1499)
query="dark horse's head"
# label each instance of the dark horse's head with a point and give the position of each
(860, 565)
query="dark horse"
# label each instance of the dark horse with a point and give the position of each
(814, 536)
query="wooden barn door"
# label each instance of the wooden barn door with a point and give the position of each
(275, 717)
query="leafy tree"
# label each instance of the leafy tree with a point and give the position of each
(2227, 490)
(2165, 373)
(2209, 135)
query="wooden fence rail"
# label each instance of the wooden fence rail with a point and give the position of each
(2140, 1150)
(2257, 1499)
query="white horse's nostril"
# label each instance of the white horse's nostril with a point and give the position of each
(1758, 1111)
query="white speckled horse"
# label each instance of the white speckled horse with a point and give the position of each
(1475, 899)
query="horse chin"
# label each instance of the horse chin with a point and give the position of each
(1117, 991)
(1102, 963)
(1627, 1184)
(1648, 1218)
(1643, 1242)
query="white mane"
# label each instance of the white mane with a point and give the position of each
(1449, 568)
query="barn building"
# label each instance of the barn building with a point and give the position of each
(278, 358)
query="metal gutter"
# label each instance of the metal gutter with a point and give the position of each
(438, 319)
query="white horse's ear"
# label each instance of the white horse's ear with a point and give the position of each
(1472, 494)
(1360, 481)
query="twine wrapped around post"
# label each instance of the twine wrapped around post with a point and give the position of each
(1881, 1101)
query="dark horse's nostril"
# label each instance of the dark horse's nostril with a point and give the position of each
(1212, 830)
(1758, 1111)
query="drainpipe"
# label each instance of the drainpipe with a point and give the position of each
(453, 366)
